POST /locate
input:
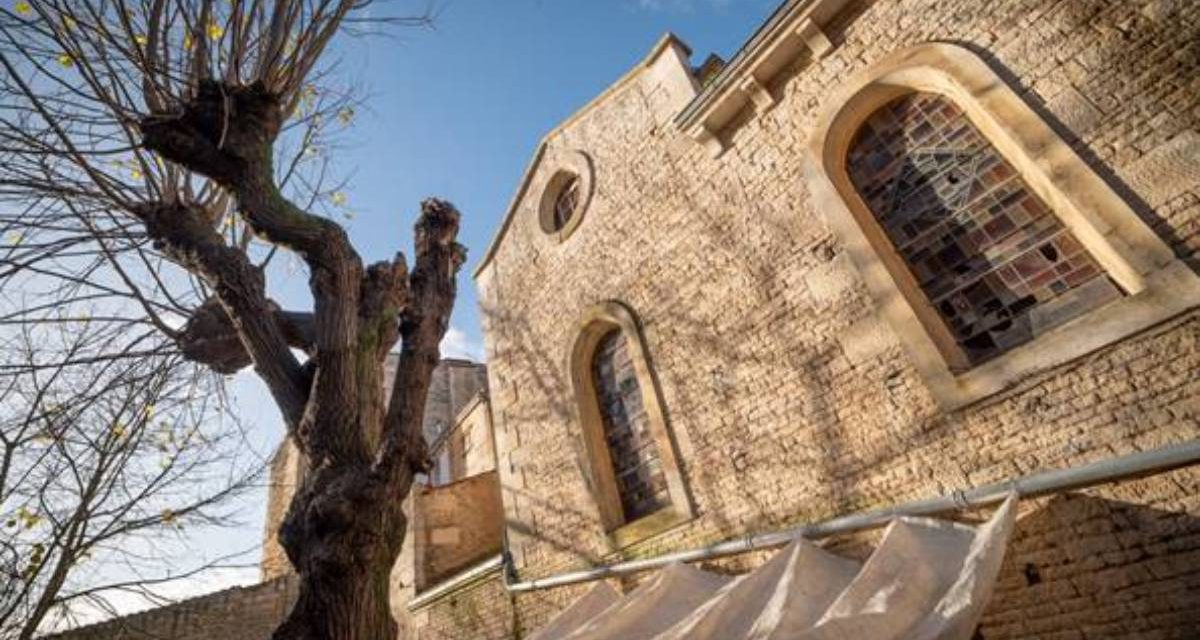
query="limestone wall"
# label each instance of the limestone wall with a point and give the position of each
(286, 468)
(788, 398)
(468, 451)
(454, 384)
(244, 613)
(459, 525)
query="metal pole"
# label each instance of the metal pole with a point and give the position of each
(1043, 483)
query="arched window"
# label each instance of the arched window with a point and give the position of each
(637, 469)
(991, 258)
(632, 466)
(991, 249)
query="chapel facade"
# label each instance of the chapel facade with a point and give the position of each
(890, 249)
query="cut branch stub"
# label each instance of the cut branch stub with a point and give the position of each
(384, 296)
(431, 290)
(210, 338)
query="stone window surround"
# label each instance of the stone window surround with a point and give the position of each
(596, 323)
(563, 167)
(1157, 284)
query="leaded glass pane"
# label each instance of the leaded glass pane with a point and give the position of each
(641, 483)
(993, 260)
(565, 203)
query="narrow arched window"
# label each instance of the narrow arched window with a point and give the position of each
(637, 467)
(993, 261)
(632, 465)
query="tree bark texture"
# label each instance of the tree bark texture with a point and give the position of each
(344, 527)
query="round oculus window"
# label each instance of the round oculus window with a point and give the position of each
(566, 194)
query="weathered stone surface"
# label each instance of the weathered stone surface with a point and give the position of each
(1168, 170)
(787, 400)
(244, 613)
(458, 525)
(793, 406)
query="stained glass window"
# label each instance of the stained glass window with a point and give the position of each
(641, 483)
(992, 259)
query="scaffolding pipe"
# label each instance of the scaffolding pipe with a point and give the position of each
(1043, 483)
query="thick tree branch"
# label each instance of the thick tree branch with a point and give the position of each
(227, 132)
(423, 323)
(210, 338)
(185, 235)
(384, 295)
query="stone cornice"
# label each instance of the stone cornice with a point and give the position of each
(794, 28)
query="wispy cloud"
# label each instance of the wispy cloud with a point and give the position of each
(457, 344)
(682, 5)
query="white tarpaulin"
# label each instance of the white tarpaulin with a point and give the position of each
(927, 579)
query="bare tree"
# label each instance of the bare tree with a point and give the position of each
(133, 132)
(97, 463)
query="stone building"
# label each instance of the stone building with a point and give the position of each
(890, 249)
(455, 522)
(457, 386)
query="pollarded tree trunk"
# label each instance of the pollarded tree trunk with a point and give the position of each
(344, 527)
(342, 533)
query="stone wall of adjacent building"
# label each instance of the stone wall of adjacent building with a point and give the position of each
(482, 610)
(242, 613)
(455, 385)
(467, 450)
(458, 525)
(286, 468)
(789, 399)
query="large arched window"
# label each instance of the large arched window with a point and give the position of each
(632, 467)
(991, 249)
(992, 260)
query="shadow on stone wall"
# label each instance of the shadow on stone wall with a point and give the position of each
(542, 377)
(1103, 568)
(823, 448)
(1087, 109)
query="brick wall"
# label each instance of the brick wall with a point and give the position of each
(243, 613)
(480, 611)
(789, 399)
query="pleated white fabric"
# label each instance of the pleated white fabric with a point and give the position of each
(928, 579)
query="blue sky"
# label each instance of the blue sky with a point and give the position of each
(455, 112)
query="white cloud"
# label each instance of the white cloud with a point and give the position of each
(457, 344)
(682, 5)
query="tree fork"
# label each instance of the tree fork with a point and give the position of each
(345, 525)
